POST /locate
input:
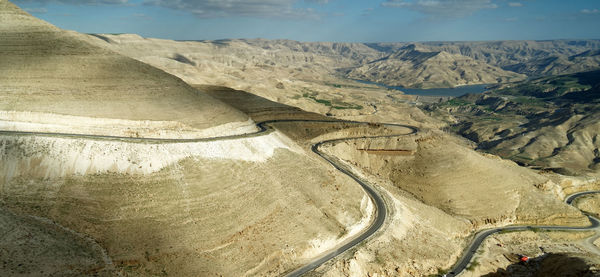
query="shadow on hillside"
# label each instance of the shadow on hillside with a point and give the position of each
(547, 265)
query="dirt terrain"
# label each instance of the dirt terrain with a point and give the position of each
(257, 65)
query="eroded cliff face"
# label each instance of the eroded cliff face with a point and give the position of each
(59, 157)
(441, 191)
(242, 64)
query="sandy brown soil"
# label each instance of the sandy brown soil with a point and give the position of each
(215, 228)
(416, 66)
(284, 74)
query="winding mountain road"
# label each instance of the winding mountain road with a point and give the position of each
(470, 251)
(265, 128)
(381, 210)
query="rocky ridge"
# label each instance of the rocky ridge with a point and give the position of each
(412, 66)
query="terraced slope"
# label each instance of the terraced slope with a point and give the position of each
(53, 80)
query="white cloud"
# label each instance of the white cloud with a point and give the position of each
(515, 4)
(322, 2)
(395, 3)
(249, 8)
(367, 11)
(36, 10)
(592, 11)
(214, 8)
(442, 8)
(76, 2)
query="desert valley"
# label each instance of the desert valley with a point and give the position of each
(123, 155)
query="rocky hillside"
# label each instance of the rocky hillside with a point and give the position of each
(55, 80)
(549, 122)
(413, 66)
(81, 206)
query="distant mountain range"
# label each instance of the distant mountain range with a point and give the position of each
(412, 65)
(441, 64)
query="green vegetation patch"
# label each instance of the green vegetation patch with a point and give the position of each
(508, 231)
(472, 265)
(336, 104)
(458, 102)
(440, 272)
(530, 101)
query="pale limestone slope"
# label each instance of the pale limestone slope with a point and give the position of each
(55, 73)
(256, 206)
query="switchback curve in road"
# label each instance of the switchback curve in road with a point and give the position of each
(264, 128)
(470, 251)
(381, 209)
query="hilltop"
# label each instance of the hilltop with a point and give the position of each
(54, 80)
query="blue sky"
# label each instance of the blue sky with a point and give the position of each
(327, 20)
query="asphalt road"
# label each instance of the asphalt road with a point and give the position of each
(264, 128)
(377, 200)
(468, 254)
(570, 198)
(381, 210)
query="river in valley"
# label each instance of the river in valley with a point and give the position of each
(452, 92)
